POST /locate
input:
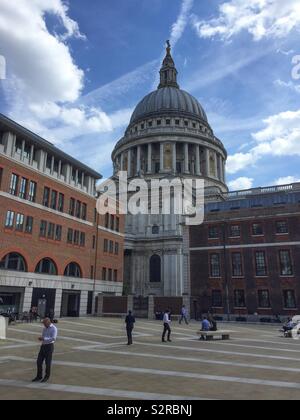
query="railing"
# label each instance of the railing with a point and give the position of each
(262, 190)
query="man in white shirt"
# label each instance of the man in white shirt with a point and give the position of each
(47, 339)
(167, 328)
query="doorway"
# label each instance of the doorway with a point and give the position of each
(70, 304)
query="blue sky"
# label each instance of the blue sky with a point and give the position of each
(76, 70)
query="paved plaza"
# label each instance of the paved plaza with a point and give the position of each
(92, 361)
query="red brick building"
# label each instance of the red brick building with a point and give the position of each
(245, 258)
(55, 249)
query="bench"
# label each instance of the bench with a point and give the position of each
(209, 335)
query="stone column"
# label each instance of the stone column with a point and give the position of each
(27, 299)
(149, 164)
(31, 155)
(174, 157)
(224, 170)
(220, 175)
(198, 164)
(216, 164)
(186, 158)
(99, 310)
(83, 303)
(207, 162)
(138, 160)
(129, 162)
(151, 314)
(161, 157)
(59, 169)
(57, 306)
(122, 162)
(130, 302)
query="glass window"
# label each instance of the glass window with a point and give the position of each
(72, 207)
(46, 266)
(155, 230)
(13, 261)
(29, 224)
(76, 237)
(264, 299)
(105, 246)
(107, 220)
(117, 224)
(257, 229)
(51, 230)
(213, 232)
(286, 266)
(111, 247)
(20, 222)
(13, 188)
(54, 200)
(84, 211)
(23, 188)
(94, 241)
(109, 274)
(58, 233)
(215, 270)
(46, 197)
(260, 263)
(32, 191)
(116, 275)
(116, 248)
(103, 273)
(112, 222)
(73, 270)
(70, 236)
(289, 299)
(155, 269)
(9, 221)
(237, 266)
(43, 229)
(61, 200)
(282, 227)
(239, 299)
(82, 239)
(217, 300)
(235, 231)
(78, 209)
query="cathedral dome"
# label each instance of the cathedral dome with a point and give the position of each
(168, 100)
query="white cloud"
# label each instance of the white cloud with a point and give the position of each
(242, 183)
(286, 180)
(287, 85)
(179, 26)
(280, 137)
(261, 18)
(39, 64)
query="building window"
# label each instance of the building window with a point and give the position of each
(177, 122)
(43, 229)
(82, 239)
(257, 229)
(70, 236)
(112, 222)
(78, 209)
(116, 248)
(235, 231)
(51, 230)
(289, 299)
(115, 275)
(107, 220)
(158, 122)
(29, 224)
(20, 222)
(260, 264)
(76, 237)
(286, 266)
(84, 211)
(237, 265)
(264, 299)
(103, 273)
(46, 197)
(46, 266)
(155, 269)
(73, 270)
(109, 274)
(117, 224)
(155, 230)
(105, 246)
(92, 272)
(23, 188)
(217, 300)
(111, 247)
(14, 262)
(58, 233)
(61, 200)
(72, 207)
(32, 191)
(13, 189)
(53, 200)
(94, 241)
(239, 299)
(168, 122)
(9, 221)
(215, 270)
(213, 232)
(282, 228)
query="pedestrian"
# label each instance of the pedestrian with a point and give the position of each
(47, 339)
(184, 315)
(167, 328)
(130, 321)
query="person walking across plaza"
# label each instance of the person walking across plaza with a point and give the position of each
(47, 339)
(184, 315)
(130, 321)
(167, 328)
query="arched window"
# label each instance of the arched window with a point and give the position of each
(13, 261)
(155, 230)
(155, 269)
(46, 266)
(73, 270)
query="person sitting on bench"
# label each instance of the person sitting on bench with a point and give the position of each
(213, 324)
(206, 326)
(289, 325)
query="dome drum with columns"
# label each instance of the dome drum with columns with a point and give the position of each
(169, 133)
(168, 136)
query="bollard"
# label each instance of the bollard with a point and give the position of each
(3, 328)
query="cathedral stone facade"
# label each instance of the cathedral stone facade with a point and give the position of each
(168, 136)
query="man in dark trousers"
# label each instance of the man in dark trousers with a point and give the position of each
(130, 321)
(47, 339)
(167, 328)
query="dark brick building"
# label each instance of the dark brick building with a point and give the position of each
(53, 244)
(245, 258)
